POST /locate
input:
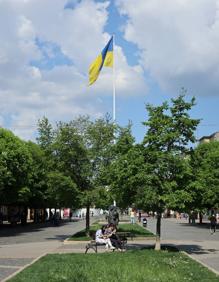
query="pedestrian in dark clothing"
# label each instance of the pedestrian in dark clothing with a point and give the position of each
(213, 223)
(139, 216)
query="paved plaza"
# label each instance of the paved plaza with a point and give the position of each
(21, 246)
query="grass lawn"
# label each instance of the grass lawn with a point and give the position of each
(136, 229)
(132, 266)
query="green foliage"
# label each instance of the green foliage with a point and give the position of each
(101, 197)
(170, 130)
(126, 176)
(154, 175)
(62, 191)
(100, 137)
(46, 134)
(125, 140)
(15, 163)
(122, 170)
(205, 183)
(37, 183)
(70, 154)
(81, 151)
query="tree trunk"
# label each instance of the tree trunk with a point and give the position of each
(158, 232)
(88, 220)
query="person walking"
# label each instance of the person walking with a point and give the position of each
(70, 215)
(139, 216)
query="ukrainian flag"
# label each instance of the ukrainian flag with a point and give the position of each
(104, 59)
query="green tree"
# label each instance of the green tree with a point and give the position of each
(169, 132)
(15, 163)
(124, 168)
(37, 175)
(97, 139)
(70, 154)
(62, 191)
(154, 175)
(46, 136)
(205, 183)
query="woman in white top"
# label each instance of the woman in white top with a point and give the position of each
(103, 239)
(132, 216)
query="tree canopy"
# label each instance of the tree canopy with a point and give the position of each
(15, 164)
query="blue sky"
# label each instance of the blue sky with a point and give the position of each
(48, 45)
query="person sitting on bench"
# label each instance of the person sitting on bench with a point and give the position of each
(103, 239)
(114, 238)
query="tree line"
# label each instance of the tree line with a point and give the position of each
(82, 163)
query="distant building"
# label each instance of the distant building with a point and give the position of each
(212, 137)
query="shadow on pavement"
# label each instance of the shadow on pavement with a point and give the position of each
(9, 230)
(136, 246)
(194, 249)
(188, 248)
(197, 225)
(58, 237)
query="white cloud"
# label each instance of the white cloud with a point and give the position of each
(178, 39)
(29, 92)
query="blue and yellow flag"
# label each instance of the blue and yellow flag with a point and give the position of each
(104, 59)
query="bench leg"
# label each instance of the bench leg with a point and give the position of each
(89, 246)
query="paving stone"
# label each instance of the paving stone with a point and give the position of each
(5, 272)
(212, 262)
(15, 262)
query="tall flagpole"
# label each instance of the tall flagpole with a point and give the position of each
(114, 82)
(114, 94)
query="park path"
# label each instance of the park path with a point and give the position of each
(20, 247)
